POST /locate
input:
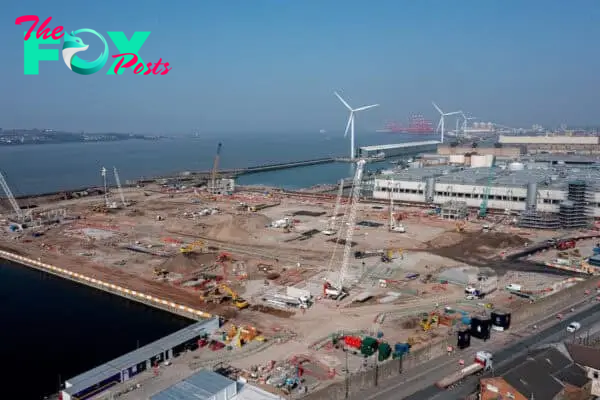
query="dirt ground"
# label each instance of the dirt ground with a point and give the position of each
(128, 245)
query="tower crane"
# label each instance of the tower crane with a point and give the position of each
(11, 199)
(336, 290)
(118, 180)
(213, 178)
(331, 226)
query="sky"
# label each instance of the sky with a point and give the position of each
(272, 65)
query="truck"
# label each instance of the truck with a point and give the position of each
(482, 362)
(369, 253)
(331, 292)
(300, 302)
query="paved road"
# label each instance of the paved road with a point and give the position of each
(419, 384)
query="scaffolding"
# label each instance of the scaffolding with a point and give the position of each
(573, 212)
(454, 210)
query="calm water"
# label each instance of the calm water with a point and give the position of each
(54, 329)
(43, 168)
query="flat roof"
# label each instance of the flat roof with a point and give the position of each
(114, 367)
(202, 385)
(546, 178)
(398, 145)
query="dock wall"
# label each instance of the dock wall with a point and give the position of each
(140, 297)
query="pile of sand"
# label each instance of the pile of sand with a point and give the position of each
(446, 239)
(184, 263)
(239, 228)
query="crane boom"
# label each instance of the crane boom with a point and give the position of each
(336, 209)
(213, 178)
(11, 198)
(351, 221)
(119, 186)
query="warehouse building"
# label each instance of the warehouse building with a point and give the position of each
(103, 377)
(400, 149)
(569, 195)
(211, 385)
(553, 144)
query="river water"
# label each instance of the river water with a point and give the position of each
(53, 329)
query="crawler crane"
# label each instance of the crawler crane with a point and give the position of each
(336, 289)
(331, 228)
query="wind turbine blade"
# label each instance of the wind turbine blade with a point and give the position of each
(452, 113)
(348, 124)
(439, 126)
(437, 108)
(366, 107)
(343, 101)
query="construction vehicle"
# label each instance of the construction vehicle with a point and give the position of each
(394, 225)
(160, 272)
(460, 226)
(337, 289)
(482, 362)
(331, 292)
(187, 249)
(566, 244)
(430, 321)
(331, 227)
(237, 301)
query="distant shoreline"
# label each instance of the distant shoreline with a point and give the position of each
(82, 139)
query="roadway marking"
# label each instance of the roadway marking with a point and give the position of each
(416, 377)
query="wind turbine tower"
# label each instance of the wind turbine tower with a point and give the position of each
(465, 122)
(441, 124)
(350, 124)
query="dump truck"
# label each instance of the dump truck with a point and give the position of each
(482, 362)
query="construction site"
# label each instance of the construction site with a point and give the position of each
(316, 277)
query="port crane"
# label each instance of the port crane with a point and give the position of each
(331, 227)
(118, 180)
(213, 177)
(336, 289)
(11, 199)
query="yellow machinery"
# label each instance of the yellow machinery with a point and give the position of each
(187, 249)
(431, 321)
(237, 301)
(460, 227)
(160, 272)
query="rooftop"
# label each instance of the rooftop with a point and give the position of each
(546, 178)
(399, 145)
(584, 355)
(202, 385)
(114, 367)
(205, 384)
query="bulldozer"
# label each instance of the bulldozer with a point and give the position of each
(188, 249)
(237, 301)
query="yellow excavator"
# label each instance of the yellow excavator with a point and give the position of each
(460, 226)
(187, 249)
(430, 322)
(236, 300)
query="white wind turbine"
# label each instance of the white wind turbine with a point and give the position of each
(440, 126)
(465, 121)
(350, 124)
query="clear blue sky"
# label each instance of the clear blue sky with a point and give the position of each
(271, 65)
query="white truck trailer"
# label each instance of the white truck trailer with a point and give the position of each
(482, 362)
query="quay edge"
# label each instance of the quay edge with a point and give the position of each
(111, 288)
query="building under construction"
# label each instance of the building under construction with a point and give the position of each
(453, 209)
